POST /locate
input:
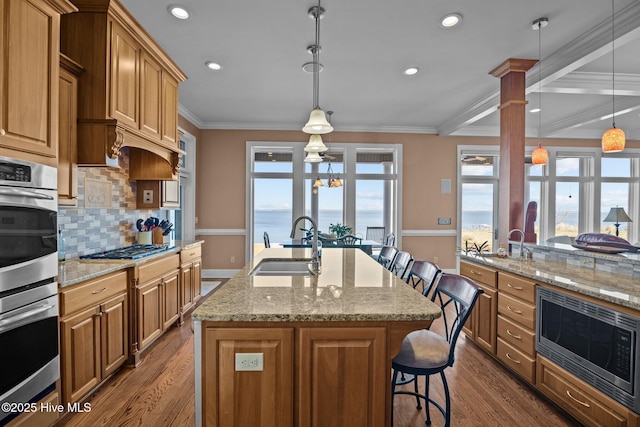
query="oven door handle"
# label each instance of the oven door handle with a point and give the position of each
(18, 317)
(16, 192)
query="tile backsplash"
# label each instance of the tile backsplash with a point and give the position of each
(90, 230)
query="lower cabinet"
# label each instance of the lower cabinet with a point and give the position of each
(481, 325)
(585, 403)
(311, 376)
(94, 333)
(190, 278)
(39, 418)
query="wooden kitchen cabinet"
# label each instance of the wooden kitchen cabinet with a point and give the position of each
(190, 278)
(94, 333)
(124, 77)
(481, 326)
(150, 96)
(170, 111)
(156, 301)
(582, 401)
(29, 72)
(68, 132)
(248, 398)
(165, 194)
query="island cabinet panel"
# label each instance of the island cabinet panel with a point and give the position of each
(341, 381)
(482, 323)
(585, 403)
(248, 398)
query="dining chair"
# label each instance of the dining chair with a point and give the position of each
(387, 253)
(375, 233)
(389, 239)
(267, 243)
(400, 264)
(423, 274)
(426, 353)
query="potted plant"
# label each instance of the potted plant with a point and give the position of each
(340, 230)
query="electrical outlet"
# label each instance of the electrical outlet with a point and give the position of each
(587, 262)
(232, 260)
(444, 221)
(147, 196)
(249, 361)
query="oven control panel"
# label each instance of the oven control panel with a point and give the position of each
(15, 172)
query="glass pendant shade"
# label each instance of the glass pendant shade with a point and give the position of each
(540, 156)
(613, 140)
(313, 157)
(318, 183)
(315, 144)
(317, 123)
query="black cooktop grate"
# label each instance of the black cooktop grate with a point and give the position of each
(130, 252)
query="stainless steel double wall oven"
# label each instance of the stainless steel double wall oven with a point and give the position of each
(29, 357)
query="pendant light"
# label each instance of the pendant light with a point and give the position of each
(333, 181)
(317, 123)
(613, 139)
(540, 155)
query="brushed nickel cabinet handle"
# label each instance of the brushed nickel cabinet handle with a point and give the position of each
(512, 359)
(518, 337)
(586, 405)
(514, 310)
(517, 288)
(99, 292)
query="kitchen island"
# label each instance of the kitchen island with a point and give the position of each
(304, 350)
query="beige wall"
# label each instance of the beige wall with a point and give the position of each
(221, 186)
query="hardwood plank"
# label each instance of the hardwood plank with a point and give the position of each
(160, 392)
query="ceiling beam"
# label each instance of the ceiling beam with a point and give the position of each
(584, 49)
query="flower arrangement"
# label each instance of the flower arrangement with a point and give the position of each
(340, 230)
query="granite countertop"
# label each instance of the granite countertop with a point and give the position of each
(616, 288)
(352, 286)
(75, 270)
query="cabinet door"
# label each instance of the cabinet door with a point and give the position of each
(171, 299)
(115, 349)
(170, 111)
(342, 377)
(80, 354)
(149, 312)
(171, 194)
(29, 47)
(486, 319)
(125, 57)
(150, 96)
(186, 284)
(196, 279)
(248, 398)
(67, 141)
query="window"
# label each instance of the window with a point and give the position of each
(281, 189)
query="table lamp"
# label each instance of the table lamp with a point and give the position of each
(617, 215)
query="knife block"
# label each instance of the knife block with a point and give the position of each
(156, 236)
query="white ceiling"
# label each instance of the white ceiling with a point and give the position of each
(366, 44)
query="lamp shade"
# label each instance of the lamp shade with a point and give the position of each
(540, 156)
(318, 183)
(317, 123)
(613, 140)
(313, 157)
(617, 215)
(315, 144)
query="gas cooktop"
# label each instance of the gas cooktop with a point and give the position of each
(133, 252)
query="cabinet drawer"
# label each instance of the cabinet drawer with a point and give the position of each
(517, 361)
(517, 286)
(157, 268)
(479, 273)
(92, 292)
(515, 309)
(521, 338)
(585, 403)
(190, 254)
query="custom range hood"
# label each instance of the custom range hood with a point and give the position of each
(128, 93)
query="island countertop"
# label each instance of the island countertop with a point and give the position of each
(352, 286)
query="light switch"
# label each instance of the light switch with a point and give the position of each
(445, 186)
(444, 221)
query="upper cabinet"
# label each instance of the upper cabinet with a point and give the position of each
(29, 64)
(128, 94)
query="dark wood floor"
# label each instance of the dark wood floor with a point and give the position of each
(160, 392)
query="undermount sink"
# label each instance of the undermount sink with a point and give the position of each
(283, 267)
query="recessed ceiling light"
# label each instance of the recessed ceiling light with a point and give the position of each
(411, 71)
(534, 110)
(178, 12)
(451, 20)
(213, 65)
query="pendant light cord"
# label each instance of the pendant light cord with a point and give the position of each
(540, 83)
(613, 66)
(316, 60)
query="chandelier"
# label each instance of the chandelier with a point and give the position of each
(317, 124)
